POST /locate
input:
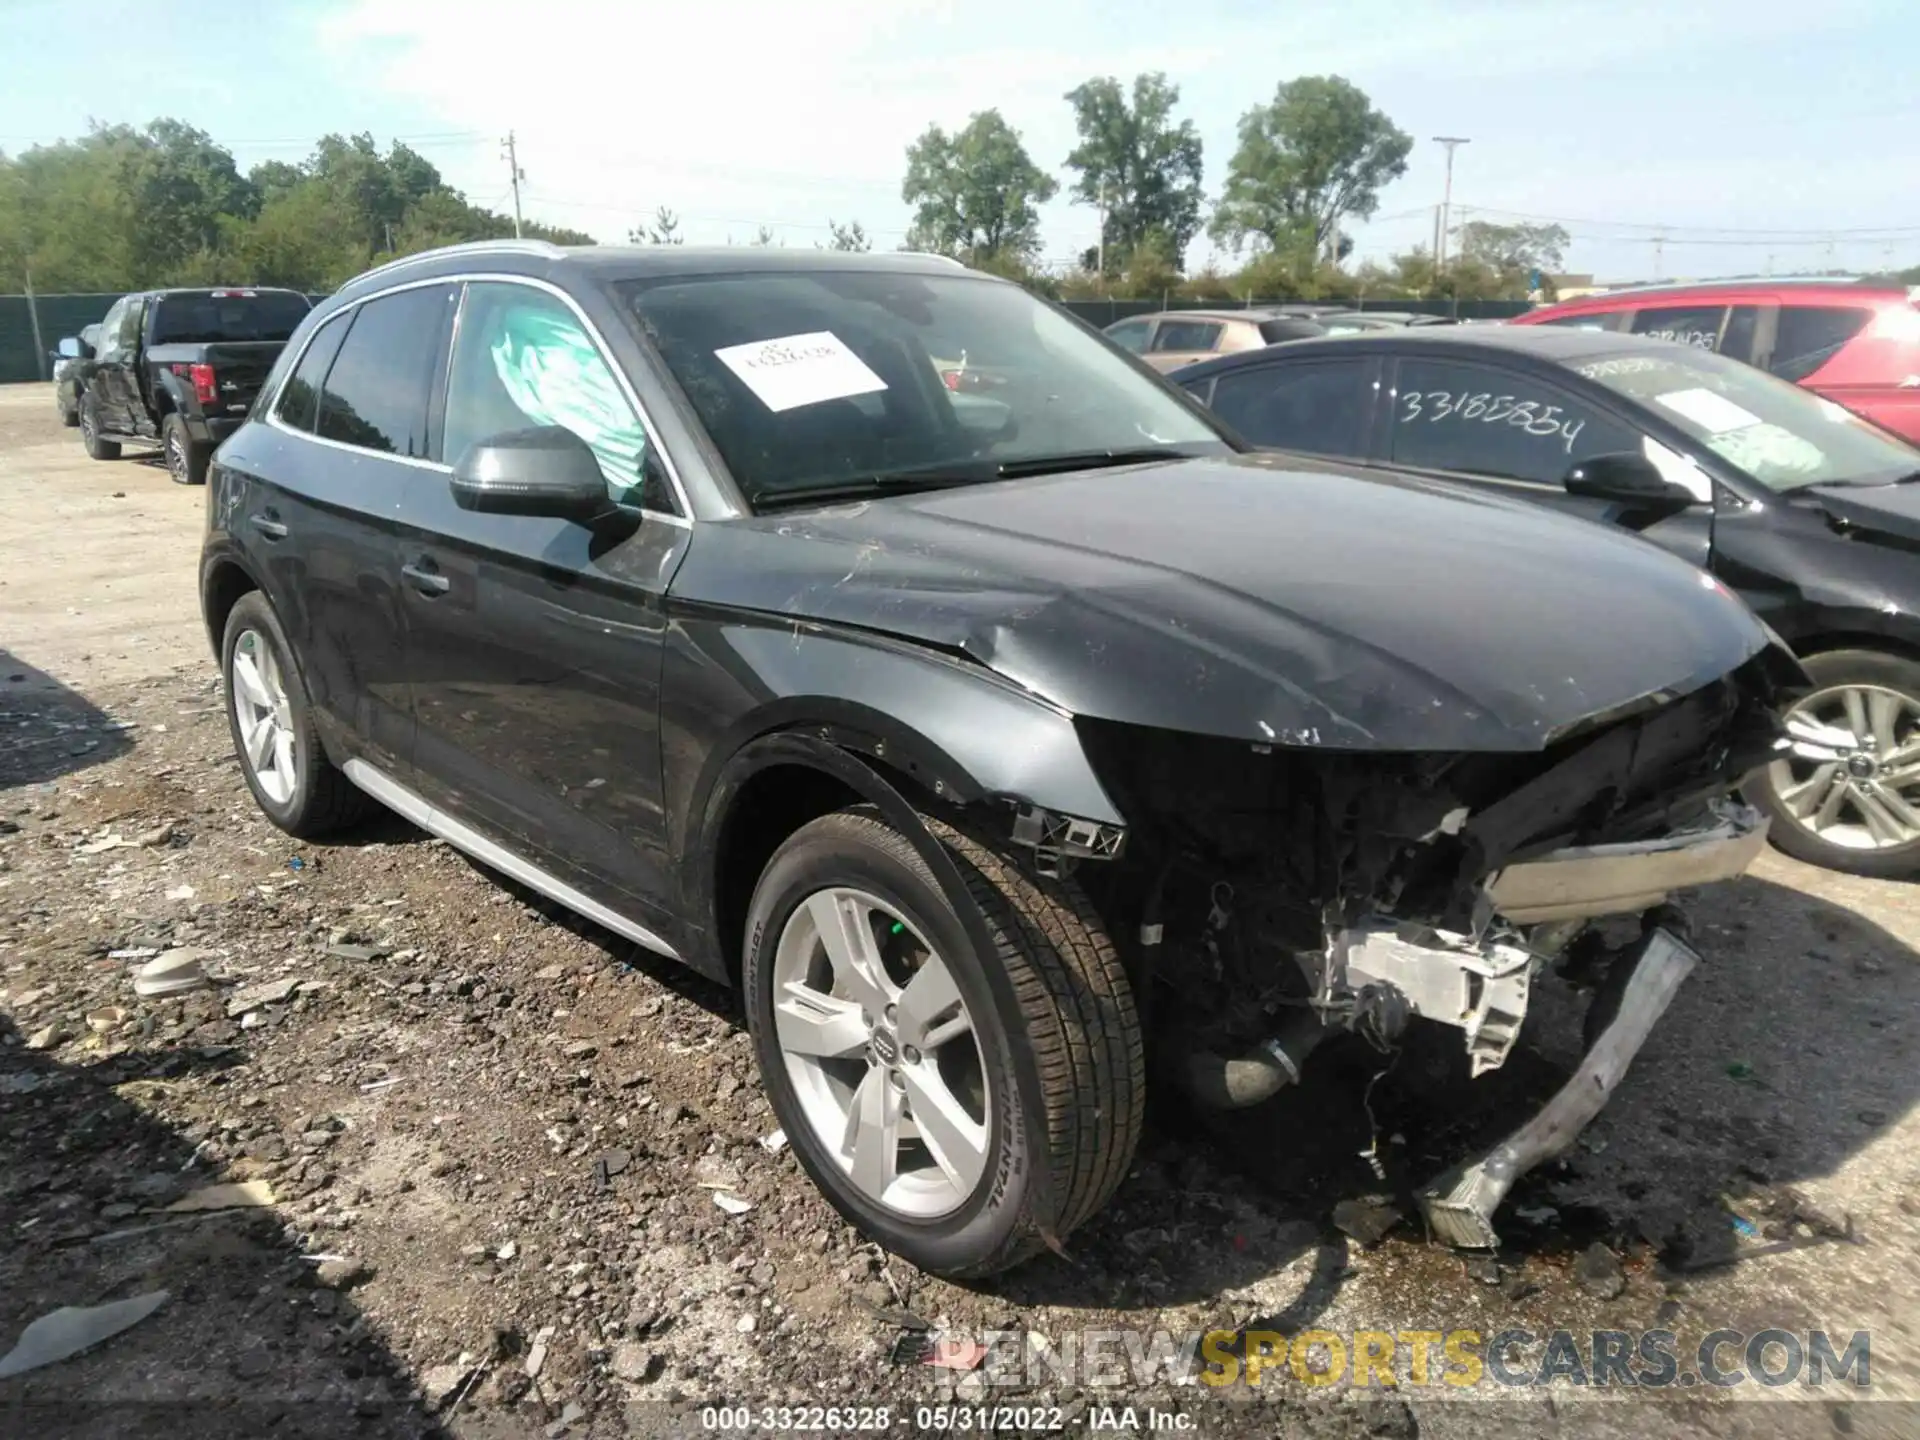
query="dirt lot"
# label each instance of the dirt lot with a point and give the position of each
(510, 1127)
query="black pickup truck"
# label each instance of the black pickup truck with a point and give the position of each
(179, 369)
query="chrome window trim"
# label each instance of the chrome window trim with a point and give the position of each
(462, 280)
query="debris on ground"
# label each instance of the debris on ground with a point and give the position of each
(66, 1332)
(776, 1142)
(1367, 1219)
(732, 1204)
(230, 1195)
(172, 972)
(1599, 1273)
(342, 1273)
(254, 997)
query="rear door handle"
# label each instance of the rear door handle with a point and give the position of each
(268, 526)
(426, 579)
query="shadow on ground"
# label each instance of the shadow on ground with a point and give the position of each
(48, 730)
(246, 1344)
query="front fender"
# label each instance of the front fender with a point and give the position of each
(957, 730)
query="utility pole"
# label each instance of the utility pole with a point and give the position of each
(1452, 142)
(1100, 245)
(1659, 248)
(512, 158)
(33, 317)
(1436, 239)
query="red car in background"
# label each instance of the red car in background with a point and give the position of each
(1856, 342)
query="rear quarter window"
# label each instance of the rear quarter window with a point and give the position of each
(205, 319)
(1808, 336)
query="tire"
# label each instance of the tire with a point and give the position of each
(1888, 687)
(97, 448)
(186, 460)
(300, 790)
(1072, 1032)
(69, 415)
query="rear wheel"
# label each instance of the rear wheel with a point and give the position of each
(97, 448)
(186, 460)
(895, 1069)
(69, 415)
(280, 753)
(1848, 796)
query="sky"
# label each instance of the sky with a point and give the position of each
(1755, 136)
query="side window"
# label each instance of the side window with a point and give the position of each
(1590, 320)
(1695, 325)
(1810, 335)
(1186, 335)
(1320, 408)
(300, 397)
(376, 393)
(1131, 334)
(523, 359)
(1736, 341)
(130, 325)
(1483, 421)
(109, 342)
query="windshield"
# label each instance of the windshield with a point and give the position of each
(214, 315)
(1775, 433)
(814, 380)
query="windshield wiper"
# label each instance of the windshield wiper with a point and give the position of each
(1090, 460)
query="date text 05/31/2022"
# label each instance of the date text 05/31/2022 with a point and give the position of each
(940, 1419)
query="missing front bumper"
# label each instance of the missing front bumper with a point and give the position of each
(1459, 1205)
(1589, 881)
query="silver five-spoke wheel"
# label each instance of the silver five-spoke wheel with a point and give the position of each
(263, 717)
(881, 1052)
(1852, 775)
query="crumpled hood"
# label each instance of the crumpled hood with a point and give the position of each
(1254, 597)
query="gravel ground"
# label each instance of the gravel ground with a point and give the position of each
(511, 1131)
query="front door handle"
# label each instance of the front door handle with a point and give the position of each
(426, 579)
(268, 526)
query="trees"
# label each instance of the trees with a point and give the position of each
(664, 231)
(975, 192)
(1317, 154)
(125, 208)
(1514, 252)
(1137, 164)
(850, 236)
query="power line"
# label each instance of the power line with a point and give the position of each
(1671, 230)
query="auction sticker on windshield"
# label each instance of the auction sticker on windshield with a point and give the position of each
(795, 370)
(1713, 413)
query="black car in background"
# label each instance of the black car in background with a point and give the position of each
(179, 369)
(68, 358)
(683, 587)
(1810, 513)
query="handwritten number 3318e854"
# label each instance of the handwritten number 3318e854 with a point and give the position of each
(1535, 417)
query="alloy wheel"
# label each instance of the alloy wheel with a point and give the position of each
(263, 716)
(89, 430)
(1852, 774)
(881, 1052)
(176, 459)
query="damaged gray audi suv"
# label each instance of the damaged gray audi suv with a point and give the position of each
(987, 736)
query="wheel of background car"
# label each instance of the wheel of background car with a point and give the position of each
(69, 415)
(1849, 798)
(186, 461)
(97, 448)
(280, 753)
(897, 1074)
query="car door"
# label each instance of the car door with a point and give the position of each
(536, 644)
(1315, 406)
(319, 508)
(112, 380)
(1513, 431)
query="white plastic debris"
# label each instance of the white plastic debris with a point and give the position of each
(231, 1195)
(173, 973)
(732, 1204)
(69, 1330)
(182, 892)
(776, 1142)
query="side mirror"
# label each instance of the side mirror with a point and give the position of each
(546, 470)
(72, 347)
(1633, 482)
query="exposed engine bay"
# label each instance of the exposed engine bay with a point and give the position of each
(1282, 896)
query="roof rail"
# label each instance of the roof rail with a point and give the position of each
(470, 247)
(1740, 282)
(926, 255)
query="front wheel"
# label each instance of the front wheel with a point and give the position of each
(97, 448)
(69, 415)
(1848, 796)
(895, 1065)
(186, 460)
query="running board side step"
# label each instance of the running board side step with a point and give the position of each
(464, 838)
